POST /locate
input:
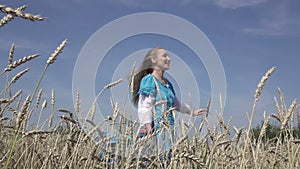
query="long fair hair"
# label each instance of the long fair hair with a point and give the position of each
(146, 68)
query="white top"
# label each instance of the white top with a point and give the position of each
(146, 108)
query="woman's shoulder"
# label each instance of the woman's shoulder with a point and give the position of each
(147, 85)
(147, 79)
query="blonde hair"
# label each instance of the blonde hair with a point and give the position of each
(145, 68)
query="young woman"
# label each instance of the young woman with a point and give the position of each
(155, 98)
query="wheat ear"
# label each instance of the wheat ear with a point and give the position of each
(131, 78)
(112, 84)
(21, 8)
(262, 83)
(19, 62)
(264, 128)
(11, 54)
(77, 106)
(17, 76)
(6, 19)
(52, 108)
(92, 112)
(288, 115)
(58, 50)
(250, 119)
(22, 113)
(38, 99)
(19, 12)
(298, 117)
(36, 132)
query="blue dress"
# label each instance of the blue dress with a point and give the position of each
(163, 118)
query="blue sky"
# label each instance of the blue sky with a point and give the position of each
(250, 36)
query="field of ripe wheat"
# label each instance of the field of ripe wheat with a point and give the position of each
(62, 141)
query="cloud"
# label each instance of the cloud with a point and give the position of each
(276, 21)
(234, 4)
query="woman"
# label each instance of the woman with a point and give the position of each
(155, 98)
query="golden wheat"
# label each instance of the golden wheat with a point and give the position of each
(19, 62)
(298, 117)
(22, 113)
(58, 50)
(112, 84)
(38, 99)
(262, 83)
(19, 12)
(77, 106)
(264, 128)
(288, 115)
(44, 104)
(52, 108)
(68, 145)
(6, 19)
(17, 76)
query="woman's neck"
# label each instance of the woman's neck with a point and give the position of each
(159, 74)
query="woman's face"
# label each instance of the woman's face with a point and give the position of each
(162, 60)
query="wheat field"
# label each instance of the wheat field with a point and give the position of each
(63, 140)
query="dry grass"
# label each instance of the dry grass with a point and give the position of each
(66, 143)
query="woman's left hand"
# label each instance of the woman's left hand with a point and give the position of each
(199, 112)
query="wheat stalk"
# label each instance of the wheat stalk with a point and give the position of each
(4, 100)
(21, 8)
(20, 13)
(9, 100)
(6, 19)
(38, 99)
(44, 104)
(52, 99)
(256, 98)
(131, 78)
(7, 10)
(92, 112)
(275, 116)
(264, 128)
(68, 119)
(36, 132)
(283, 106)
(66, 111)
(131, 75)
(77, 106)
(17, 76)
(49, 61)
(58, 50)
(52, 108)
(11, 54)
(1, 7)
(98, 95)
(112, 84)
(187, 156)
(19, 62)
(262, 83)
(288, 115)
(91, 132)
(298, 116)
(238, 133)
(278, 108)
(22, 113)
(17, 94)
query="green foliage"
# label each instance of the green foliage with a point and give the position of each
(273, 132)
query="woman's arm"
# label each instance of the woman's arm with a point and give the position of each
(145, 110)
(184, 108)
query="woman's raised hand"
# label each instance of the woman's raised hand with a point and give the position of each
(199, 112)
